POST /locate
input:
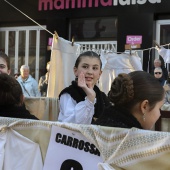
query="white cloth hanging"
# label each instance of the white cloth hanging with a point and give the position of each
(114, 64)
(63, 57)
(18, 152)
(165, 53)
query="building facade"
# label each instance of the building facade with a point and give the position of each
(85, 20)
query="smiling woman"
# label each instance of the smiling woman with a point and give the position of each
(4, 63)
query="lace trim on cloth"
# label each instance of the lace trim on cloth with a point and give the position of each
(120, 148)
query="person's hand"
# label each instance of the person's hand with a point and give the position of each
(88, 89)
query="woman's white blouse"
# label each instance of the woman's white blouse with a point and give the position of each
(73, 112)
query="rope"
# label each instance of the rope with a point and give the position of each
(56, 36)
(28, 17)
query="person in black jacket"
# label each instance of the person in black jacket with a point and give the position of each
(158, 74)
(43, 82)
(11, 99)
(136, 101)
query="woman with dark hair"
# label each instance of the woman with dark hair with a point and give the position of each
(82, 102)
(4, 63)
(137, 98)
(11, 99)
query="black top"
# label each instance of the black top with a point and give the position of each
(161, 81)
(79, 95)
(164, 71)
(118, 117)
(43, 85)
(16, 112)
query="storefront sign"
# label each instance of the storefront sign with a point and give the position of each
(129, 46)
(70, 150)
(67, 4)
(133, 39)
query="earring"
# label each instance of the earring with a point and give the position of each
(144, 117)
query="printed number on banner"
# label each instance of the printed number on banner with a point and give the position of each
(71, 164)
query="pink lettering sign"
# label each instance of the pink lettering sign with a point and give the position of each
(133, 39)
(44, 5)
(50, 41)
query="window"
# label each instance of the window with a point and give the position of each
(25, 45)
(94, 29)
(163, 35)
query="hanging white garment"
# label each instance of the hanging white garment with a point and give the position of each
(2, 146)
(165, 53)
(114, 64)
(19, 152)
(63, 57)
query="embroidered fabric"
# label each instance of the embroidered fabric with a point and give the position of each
(119, 147)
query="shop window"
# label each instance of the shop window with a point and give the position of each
(163, 36)
(94, 29)
(25, 45)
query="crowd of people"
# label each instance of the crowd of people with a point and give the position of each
(134, 99)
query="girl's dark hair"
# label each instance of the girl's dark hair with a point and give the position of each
(10, 91)
(6, 58)
(91, 54)
(129, 89)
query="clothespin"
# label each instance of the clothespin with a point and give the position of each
(130, 50)
(72, 41)
(156, 44)
(56, 35)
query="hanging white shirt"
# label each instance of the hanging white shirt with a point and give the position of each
(165, 53)
(114, 64)
(73, 112)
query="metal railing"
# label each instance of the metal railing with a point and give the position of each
(98, 46)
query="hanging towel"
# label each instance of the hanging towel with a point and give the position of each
(63, 57)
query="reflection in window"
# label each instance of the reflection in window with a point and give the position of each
(25, 45)
(164, 34)
(94, 29)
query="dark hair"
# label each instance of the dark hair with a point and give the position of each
(129, 89)
(90, 54)
(17, 74)
(6, 58)
(10, 91)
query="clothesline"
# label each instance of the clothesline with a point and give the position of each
(56, 32)
(155, 47)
